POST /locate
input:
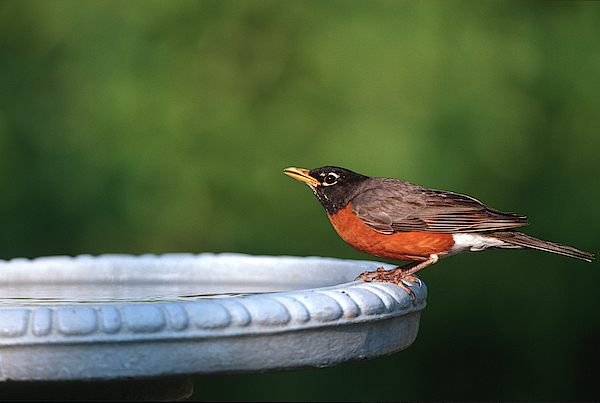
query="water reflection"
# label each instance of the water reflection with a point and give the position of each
(61, 294)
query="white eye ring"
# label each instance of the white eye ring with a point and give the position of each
(330, 179)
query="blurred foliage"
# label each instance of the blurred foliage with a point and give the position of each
(159, 126)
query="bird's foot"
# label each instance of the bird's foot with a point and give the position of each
(369, 275)
(396, 276)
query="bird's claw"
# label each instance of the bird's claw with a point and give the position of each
(383, 276)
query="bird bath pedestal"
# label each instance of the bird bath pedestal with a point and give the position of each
(121, 326)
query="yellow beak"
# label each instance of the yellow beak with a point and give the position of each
(301, 175)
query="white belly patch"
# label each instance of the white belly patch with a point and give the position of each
(474, 243)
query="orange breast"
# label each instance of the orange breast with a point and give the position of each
(397, 246)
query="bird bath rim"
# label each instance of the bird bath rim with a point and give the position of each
(308, 313)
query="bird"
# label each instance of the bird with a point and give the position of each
(398, 220)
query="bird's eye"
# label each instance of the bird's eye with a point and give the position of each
(330, 179)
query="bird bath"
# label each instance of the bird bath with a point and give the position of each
(115, 319)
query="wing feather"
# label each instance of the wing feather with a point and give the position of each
(403, 206)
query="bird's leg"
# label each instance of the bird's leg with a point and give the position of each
(407, 272)
(370, 275)
(399, 273)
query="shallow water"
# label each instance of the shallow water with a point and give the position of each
(53, 294)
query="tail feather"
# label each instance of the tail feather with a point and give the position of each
(522, 240)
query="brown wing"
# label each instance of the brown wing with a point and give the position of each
(391, 205)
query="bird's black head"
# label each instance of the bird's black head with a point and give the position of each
(333, 186)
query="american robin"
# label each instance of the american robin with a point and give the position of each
(399, 220)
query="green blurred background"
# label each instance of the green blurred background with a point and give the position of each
(160, 126)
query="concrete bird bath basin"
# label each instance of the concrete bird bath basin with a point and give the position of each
(116, 319)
